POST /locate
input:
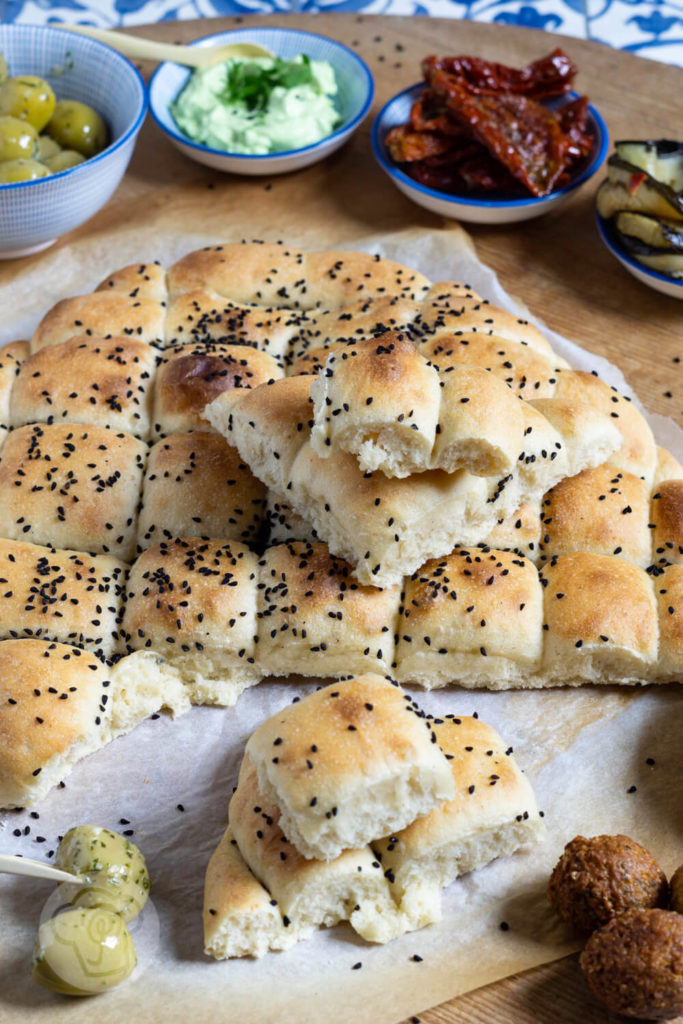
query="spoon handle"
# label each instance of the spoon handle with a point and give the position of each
(148, 49)
(11, 865)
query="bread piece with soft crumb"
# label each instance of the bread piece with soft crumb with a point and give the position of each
(193, 603)
(492, 814)
(520, 531)
(315, 893)
(347, 764)
(314, 618)
(473, 617)
(54, 704)
(602, 510)
(191, 376)
(101, 314)
(666, 517)
(383, 402)
(638, 451)
(668, 588)
(600, 620)
(61, 595)
(268, 426)
(72, 485)
(241, 918)
(197, 485)
(106, 381)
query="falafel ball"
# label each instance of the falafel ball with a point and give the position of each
(634, 964)
(676, 890)
(597, 878)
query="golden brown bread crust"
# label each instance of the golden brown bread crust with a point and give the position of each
(101, 315)
(105, 381)
(191, 595)
(476, 613)
(191, 376)
(522, 368)
(600, 618)
(138, 281)
(11, 358)
(666, 516)
(602, 510)
(196, 485)
(602, 876)
(52, 696)
(314, 618)
(201, 317)
(668, 586)
(74, 486)
(520, 531)
(61, 595)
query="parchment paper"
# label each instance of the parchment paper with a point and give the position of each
(601, 759)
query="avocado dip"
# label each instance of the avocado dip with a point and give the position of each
(259, 105)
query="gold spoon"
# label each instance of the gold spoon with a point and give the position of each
(148, 49)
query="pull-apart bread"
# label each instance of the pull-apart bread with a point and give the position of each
(264, 890)
(170, 504)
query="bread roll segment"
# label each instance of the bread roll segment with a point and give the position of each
(314, 618)
(351, 762)
(53, 711)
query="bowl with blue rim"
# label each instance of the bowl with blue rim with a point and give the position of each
(490, 207)
(352, 99)
(640, 211)
(34, 213)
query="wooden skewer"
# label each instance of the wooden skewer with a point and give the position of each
(12, 865)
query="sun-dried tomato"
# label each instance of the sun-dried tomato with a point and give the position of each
(521, 133)
(550, 76)
(406, 146)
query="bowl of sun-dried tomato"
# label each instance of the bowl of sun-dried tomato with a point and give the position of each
(483, 142)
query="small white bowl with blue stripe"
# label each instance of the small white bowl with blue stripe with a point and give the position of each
(355, 91)
(663, 283)
(33, 214)
(481, 208)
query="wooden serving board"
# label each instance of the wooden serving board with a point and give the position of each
(557, 264)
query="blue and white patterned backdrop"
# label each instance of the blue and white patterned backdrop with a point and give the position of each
(650, 28)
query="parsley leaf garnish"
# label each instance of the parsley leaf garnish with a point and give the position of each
(252, 85)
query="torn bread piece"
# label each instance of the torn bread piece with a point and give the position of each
(54, 706)
(347, 764)
(192, 603)
(492, 814)
(317, 893)
(383, 402)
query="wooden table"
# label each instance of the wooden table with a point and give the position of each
(557, 264)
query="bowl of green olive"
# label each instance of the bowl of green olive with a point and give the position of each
(70, 112)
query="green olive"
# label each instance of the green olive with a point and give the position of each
(113, 869)
(21, 170)
(17, 138)
(83, 951)
(64, 159)
(46, 147)
(29, 98)
(77, 126)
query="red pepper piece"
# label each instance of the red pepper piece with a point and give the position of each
(550, 76)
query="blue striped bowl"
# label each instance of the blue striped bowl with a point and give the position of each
(354, 98)
(33, 214)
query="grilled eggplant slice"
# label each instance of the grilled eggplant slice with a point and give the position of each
(658, 234)
(662, 160)
(637, 192)
(665, 261)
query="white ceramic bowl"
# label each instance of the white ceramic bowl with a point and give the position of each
(652, 278)
(354, 97)
(33, 214)
(497, 209)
